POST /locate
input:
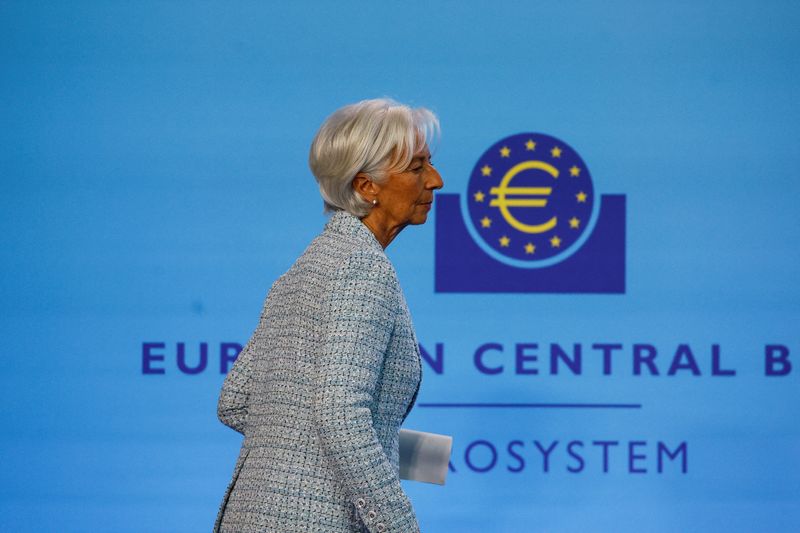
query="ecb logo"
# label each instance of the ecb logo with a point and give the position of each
(530, 221)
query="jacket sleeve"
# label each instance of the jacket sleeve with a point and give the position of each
(358, 316)
(235, 394)
(233, 399)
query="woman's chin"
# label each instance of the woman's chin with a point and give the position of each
(419, 219)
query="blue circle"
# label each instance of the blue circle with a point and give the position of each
(530, 200)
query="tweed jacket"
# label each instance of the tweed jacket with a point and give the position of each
(319, 393)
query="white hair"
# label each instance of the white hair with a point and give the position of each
(376, 137)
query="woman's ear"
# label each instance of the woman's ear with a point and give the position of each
(364, 186)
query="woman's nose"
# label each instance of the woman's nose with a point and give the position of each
(435, 180)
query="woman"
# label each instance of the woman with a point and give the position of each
(333, 367)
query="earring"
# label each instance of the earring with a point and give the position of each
(374, 201)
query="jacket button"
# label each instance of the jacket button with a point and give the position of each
(361, 503)
(381, 527)
(372, 515)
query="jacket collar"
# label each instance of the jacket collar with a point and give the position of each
(348, 224)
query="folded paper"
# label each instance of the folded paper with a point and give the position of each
(424, 456)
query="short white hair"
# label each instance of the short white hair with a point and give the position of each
(375, 137)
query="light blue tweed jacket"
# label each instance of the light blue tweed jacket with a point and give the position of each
(319, 392)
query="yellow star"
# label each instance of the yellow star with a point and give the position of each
(556, 152)
(486, 170)
(505, 151)
(486, 222)
(574, 223)
(478, 196)
(575, 171)
(530, 145)
(504, 241)
(581, 196)
(530, 248)
(555, 242)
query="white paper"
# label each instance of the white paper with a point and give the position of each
(424, 456)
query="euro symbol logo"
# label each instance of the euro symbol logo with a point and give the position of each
(528, 196)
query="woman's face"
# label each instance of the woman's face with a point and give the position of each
(406, 197)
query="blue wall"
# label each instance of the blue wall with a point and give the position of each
(154, 184)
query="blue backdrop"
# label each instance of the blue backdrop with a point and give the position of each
(154, 184)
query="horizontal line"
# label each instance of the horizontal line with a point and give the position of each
(517, 203)
(537, 405)
(521, 190)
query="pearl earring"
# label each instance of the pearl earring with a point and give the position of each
(374, 201)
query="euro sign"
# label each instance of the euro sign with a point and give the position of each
(528, 196)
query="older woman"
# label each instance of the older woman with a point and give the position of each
(333, 367)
